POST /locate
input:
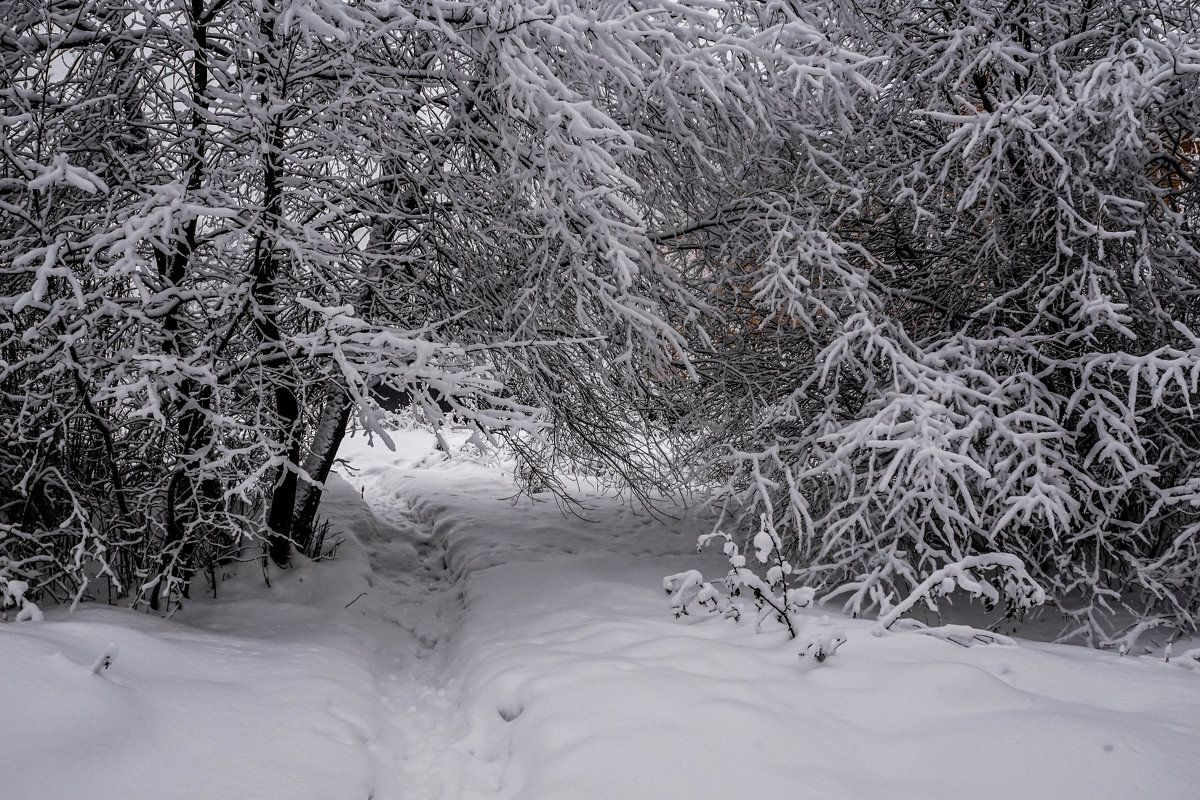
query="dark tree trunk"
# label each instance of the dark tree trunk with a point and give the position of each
(265, 291)
(331, 429)
(173, 266)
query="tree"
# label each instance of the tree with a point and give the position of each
(982, 338)
(225, 222)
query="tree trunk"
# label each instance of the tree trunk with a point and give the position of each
(173, 265)
(331, 429)
(265, 291)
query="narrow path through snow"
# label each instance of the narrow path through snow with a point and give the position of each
(414, 587)
(441, 527)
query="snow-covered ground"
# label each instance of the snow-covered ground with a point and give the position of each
(466, 643)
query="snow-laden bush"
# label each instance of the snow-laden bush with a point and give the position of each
(973, 329)
(776, 595)
(12, 594)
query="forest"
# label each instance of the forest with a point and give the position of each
(908, 290)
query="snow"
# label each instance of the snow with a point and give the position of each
(468, 643)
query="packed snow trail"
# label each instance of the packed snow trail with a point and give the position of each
(466, 521)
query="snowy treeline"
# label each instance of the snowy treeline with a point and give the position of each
(958, 315)
(224, 221)
(909, 282)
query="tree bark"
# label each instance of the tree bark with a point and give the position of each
(331, 429)
(265, 291)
